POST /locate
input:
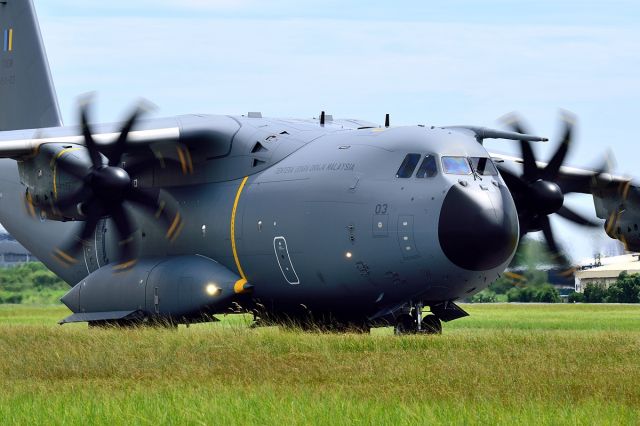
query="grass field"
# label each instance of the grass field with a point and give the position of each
(506, 364)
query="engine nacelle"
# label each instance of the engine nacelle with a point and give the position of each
(46, 182)
(178, 289)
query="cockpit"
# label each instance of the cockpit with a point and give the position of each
(428, 168)
(450, 165)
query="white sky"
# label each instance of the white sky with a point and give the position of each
(424, 62)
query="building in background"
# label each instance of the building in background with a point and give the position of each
(12, 253)
(605, 271)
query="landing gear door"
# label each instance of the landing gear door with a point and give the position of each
(284, 260)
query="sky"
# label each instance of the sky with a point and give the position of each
(440, 63)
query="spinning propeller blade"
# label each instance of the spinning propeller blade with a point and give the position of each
(537, 192)
(105, 188)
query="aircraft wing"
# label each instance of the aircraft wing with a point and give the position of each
(22, 144)
(571, 179)
(616, 198)
(216, 131)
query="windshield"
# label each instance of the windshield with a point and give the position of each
(456, 165)
(483, 166)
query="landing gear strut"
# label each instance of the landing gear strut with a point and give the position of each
(412, 322)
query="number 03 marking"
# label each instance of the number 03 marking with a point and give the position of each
(382, 208)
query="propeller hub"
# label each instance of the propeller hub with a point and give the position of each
(548, 196)
(110, 182)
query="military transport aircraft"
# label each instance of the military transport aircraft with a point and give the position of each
(322, 221)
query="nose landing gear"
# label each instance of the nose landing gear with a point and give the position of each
(413, 322)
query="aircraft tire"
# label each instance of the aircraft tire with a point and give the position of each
(405, 324)
(431, 325)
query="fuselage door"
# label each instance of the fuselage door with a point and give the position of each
(284, 260)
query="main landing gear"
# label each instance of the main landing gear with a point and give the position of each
(413, 322)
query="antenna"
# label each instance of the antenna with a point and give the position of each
(322, 118)
(386, 120)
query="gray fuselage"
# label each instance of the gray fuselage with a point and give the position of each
(314, 217)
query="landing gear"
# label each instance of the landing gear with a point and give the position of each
(412, 322)
(431, 325)
(405, 325)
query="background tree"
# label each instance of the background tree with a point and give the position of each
(625, 290)
(594, 293)
(30, 283)
(575, 297)
(485, 296)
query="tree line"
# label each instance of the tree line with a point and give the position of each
(533, 286)
(30, 283)
(626, 289)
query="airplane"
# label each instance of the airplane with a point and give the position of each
(339, 223)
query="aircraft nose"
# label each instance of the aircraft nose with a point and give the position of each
(478, 229)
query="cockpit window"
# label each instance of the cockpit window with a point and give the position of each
(483, 166)
(408, 165)
(456, 165)
(428, 168)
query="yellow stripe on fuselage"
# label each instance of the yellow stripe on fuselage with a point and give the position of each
(55, 169)
(10, 39)
(233, 228)
(238, 287)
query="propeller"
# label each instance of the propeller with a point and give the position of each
(106, 186)
(539, 191)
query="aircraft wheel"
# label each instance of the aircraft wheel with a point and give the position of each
(431, 325)
(405, 325)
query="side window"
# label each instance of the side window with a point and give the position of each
(484, 166)
(428, 168)
(408, 165)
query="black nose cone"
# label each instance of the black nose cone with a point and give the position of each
(478, 230)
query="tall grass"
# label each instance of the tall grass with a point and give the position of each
(506, 364)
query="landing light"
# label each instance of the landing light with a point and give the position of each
(348, 255)
(213, 290)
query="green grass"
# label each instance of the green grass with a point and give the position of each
(506, 364)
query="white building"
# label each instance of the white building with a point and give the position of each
(607, 272)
